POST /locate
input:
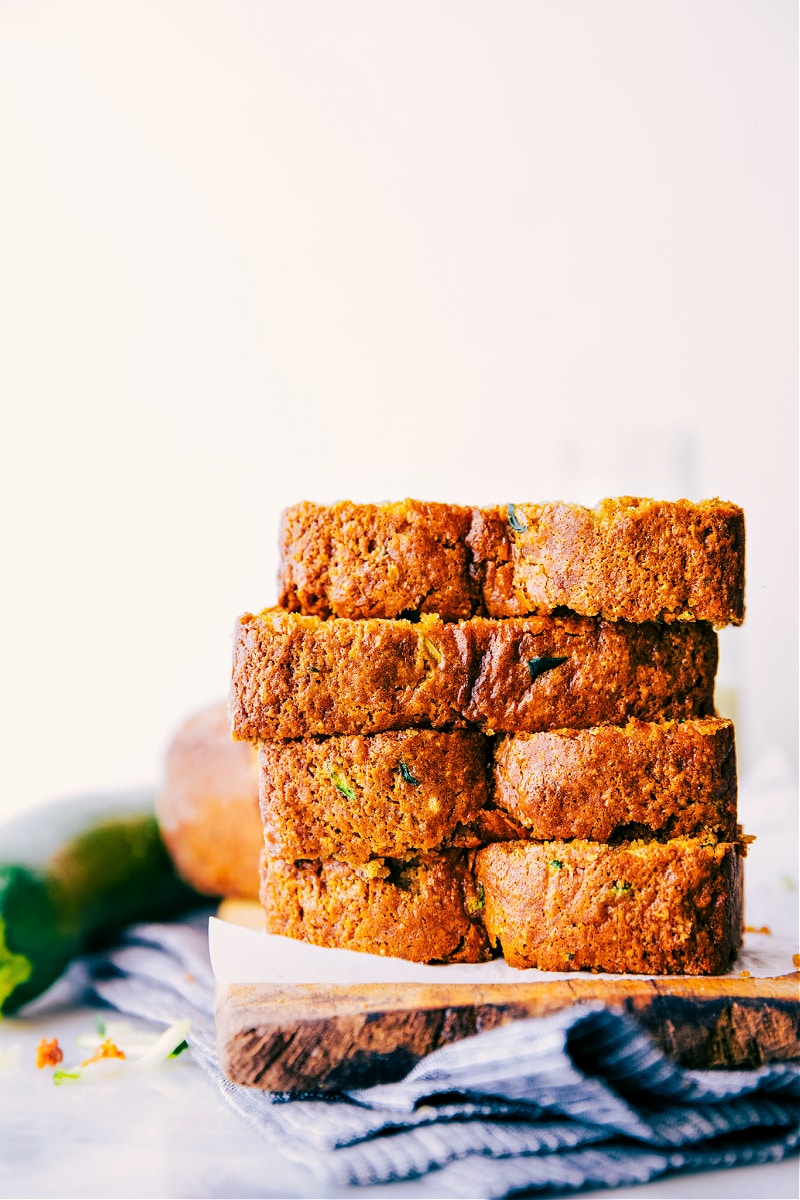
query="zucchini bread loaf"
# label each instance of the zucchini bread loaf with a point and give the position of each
(628, 559)
(207, 806)
(296, 676)
(426, 909)
(651, 908)
(487, 730)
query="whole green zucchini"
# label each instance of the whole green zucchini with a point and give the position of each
(72, 874)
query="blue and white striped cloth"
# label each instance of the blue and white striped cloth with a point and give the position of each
(582, 1098)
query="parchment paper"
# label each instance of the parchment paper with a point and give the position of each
(240, 955)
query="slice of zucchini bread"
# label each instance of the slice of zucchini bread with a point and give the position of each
(396, 794)
(407, 792)
(640, 907)
(644, 907)
(426, 909)
(377, 560)
(644, 779)
(296, 676)
(629, 559)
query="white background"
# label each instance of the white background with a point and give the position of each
(256, 252)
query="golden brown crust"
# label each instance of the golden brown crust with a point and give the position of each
(297, 676)
(207, 807)
(354, 798)
(628, 559)
(425, 910)
(643, 907)
(670, 779)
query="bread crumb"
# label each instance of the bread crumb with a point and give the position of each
(744, 974)
(758, 929)
(106, 1049)
(796, 960)
(49, 1054)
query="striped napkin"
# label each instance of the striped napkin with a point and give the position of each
(582, 1098)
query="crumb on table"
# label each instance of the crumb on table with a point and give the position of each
(106, 1049)
(48, 1053)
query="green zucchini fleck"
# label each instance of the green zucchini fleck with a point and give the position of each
(477, 903)
(555, 864)
(619, 887)
(340, 783)
(60, 1076)
(407, 776)
(514, 520)
(538, 666)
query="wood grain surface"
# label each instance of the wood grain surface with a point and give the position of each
(290, 1038)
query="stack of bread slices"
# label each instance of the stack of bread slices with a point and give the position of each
(492, 730)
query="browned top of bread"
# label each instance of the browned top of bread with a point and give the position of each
(207, 806)
(426, 909)
(670, 907)
(630, 559)
(297, 676)
(644, 779)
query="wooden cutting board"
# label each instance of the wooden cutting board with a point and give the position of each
(323, 1037)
